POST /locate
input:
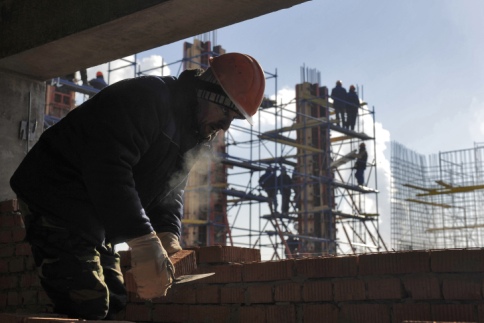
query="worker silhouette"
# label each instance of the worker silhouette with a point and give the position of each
(338, 94)
(352, 108)
(284, 185)
(268, 182)
(99, 82)
(360, 164)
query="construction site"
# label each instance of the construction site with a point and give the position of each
(326, 212)
(281, 222)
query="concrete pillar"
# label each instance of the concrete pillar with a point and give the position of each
(20, 98)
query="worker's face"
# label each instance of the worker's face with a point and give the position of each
(213, 117)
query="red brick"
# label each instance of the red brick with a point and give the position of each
(267, 271)
(182, 294)
(208, 313)
(454, 312)
(416, 312)
(28, 297)
(462, 287)
(3, 300)
(18, 234)
(350, 289)
(3, 266)
(7, 221)
(29, 280)
(260, 293)
(317, 313)
(226, 254)
(422, 286)
(184, 262)
(365, 313)
(252, 314)
(394, 263)
(30, 264)
(13, 298)
(6, 236)
(280, 313)
(314, 291)
(8, 206)
(170, 313)
(223, 273)
(208, 294)
(23, 249)
(287, 292)
(384, 288)
(232, 295)
(16, 265)
(7, 250)
(457, 260)
(138, 312)
(327, 267)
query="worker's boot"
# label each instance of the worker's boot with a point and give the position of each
(170, 242)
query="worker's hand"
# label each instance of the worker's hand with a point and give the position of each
(170, 242)
(152, 270)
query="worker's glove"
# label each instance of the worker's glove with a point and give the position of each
(152, 270)
(170, 242)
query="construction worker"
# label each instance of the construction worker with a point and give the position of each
(284, 185)
(338, 94)
(114, 170)
(268, 182)
(360, 164)
(99, 82)
(352, 108)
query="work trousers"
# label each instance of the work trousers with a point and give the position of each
(82, 280)
(360, 176)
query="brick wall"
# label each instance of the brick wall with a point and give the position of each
(435, 285)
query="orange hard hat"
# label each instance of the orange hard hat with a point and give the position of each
(99, 74)
(242, 79)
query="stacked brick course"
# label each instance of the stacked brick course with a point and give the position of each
(435, 285)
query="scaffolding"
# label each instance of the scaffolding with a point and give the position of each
(328, 212)
(436, 202)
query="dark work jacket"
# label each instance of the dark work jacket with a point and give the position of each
(115, 167)
(361, 159)
(353, 102)
(338, 94)
(98, 83)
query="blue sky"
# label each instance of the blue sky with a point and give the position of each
(420, 64)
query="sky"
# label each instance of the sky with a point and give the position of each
(418, 63)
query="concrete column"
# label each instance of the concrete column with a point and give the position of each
(21, 99)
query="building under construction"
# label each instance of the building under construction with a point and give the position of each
(318, 209)
(437, 201)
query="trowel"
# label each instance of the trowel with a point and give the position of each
(188, 278)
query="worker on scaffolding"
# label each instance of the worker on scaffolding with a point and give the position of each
(284, 185)
(98, 82)
(114, 170)
(268, 182)
(360, 164)
(352, 108)
(338, 94)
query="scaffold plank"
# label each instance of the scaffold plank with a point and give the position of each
(343, 160)
(290, 142)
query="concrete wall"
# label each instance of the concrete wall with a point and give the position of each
(18, 96)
